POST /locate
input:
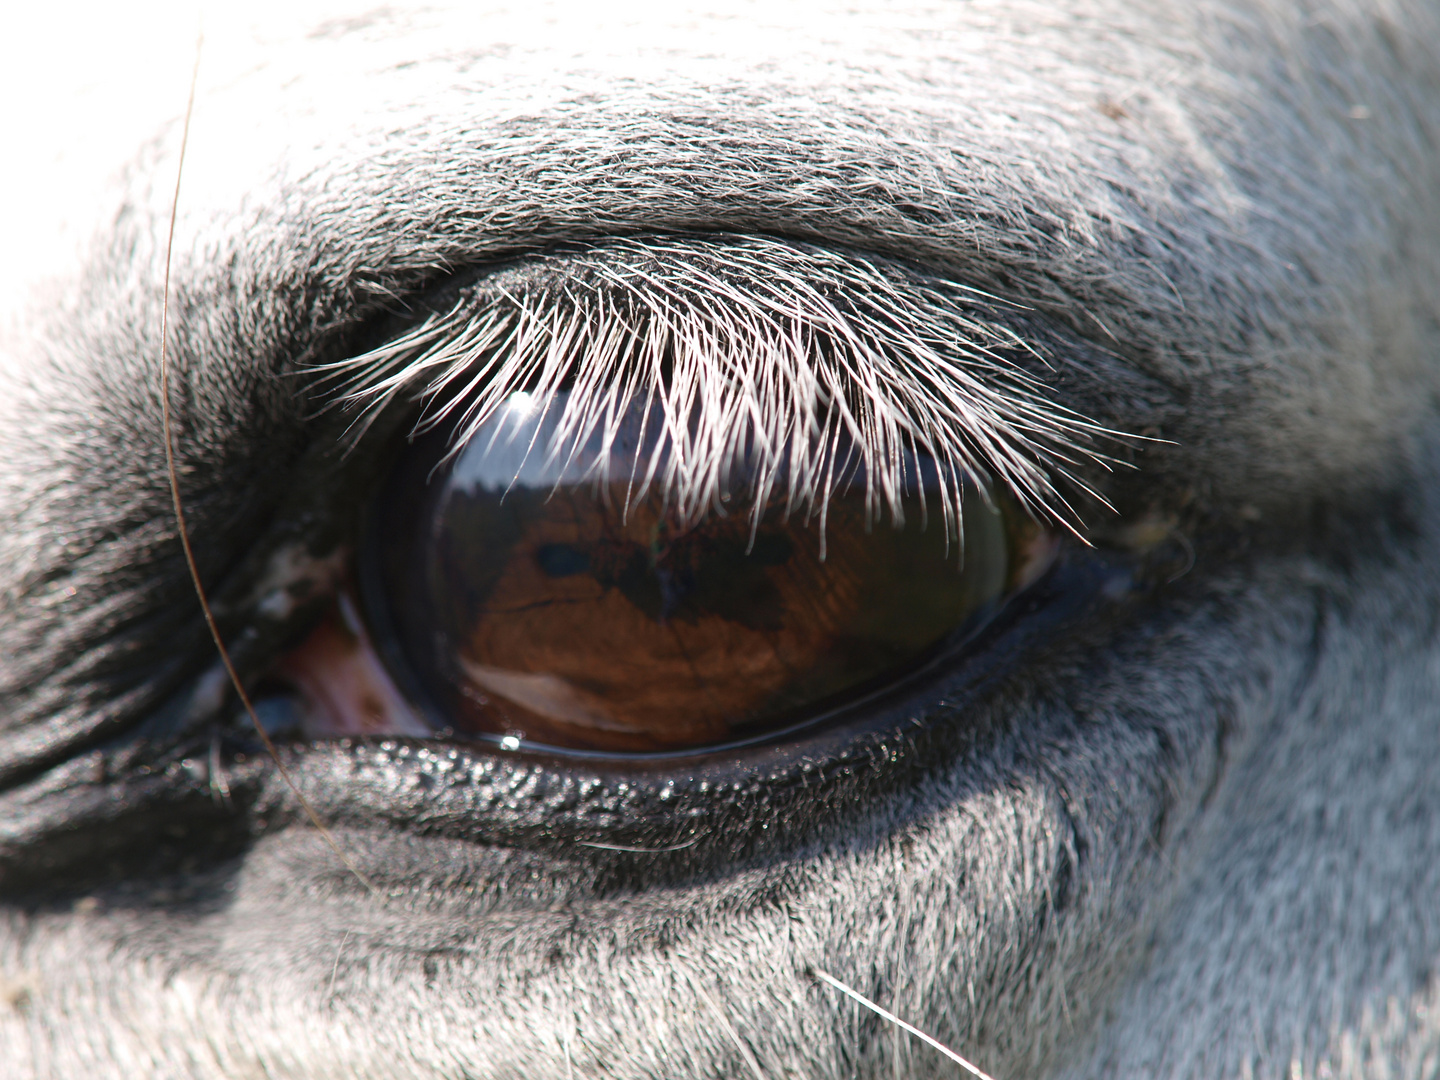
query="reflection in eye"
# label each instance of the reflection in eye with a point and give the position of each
(544, 589)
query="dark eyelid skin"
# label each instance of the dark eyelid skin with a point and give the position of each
(1032, 850)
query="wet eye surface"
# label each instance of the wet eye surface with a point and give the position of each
(538, 589)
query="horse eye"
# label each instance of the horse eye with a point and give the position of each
(530, 586)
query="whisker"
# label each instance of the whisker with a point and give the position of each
(167, 427)
(724, 1022)
(638, 850)
(885, 1014)
(335, 967)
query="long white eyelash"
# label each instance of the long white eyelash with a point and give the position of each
(790, 366)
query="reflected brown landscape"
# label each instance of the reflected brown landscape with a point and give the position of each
(560, 616)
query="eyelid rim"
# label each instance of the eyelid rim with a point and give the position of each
(553, 801)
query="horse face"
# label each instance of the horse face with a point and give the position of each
(1160, 280)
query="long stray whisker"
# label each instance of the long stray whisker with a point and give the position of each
(167, 428)
(885, 1014)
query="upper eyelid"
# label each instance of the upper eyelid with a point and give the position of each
(757, 341)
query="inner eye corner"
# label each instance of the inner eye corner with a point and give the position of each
(513, 597)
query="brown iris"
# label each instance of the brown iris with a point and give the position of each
(536, 600)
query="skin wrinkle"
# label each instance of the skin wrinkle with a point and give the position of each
(1179, 191)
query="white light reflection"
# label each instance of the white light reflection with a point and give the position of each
(520, 405)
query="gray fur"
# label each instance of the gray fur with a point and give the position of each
(1200, 834)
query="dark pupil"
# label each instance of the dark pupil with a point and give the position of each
(532, 600)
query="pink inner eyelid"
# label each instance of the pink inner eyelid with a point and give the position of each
(343, 685)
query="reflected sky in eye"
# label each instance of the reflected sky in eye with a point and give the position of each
(530, 443)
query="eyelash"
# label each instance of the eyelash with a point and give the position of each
(750, 345)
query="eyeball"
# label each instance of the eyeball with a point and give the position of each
(542, 589)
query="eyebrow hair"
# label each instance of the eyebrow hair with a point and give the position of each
(792, 366)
